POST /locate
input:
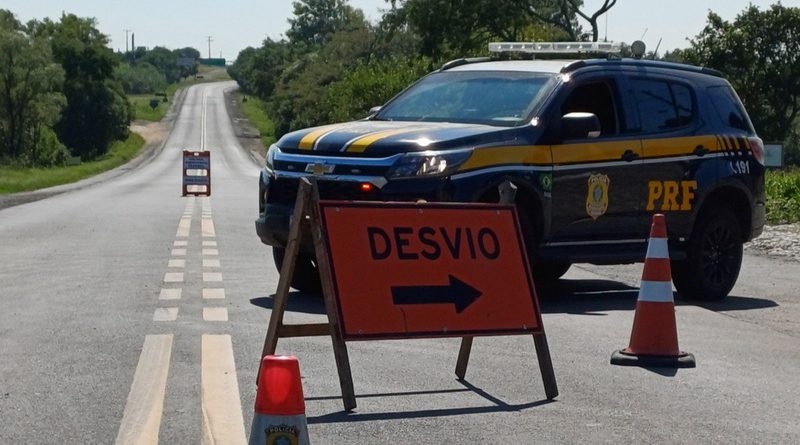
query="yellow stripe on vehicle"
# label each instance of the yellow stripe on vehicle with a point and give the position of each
(656, 148)
(594, 151)
(360, 145)
(307, 142)
(522, 154)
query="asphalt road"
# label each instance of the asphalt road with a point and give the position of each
(129, 314)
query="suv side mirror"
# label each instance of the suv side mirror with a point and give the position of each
(374, 110)
(580, 125)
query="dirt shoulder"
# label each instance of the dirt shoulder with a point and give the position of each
(249, 137)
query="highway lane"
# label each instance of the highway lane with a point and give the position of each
(103, 340)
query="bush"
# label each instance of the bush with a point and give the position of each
(49, 151)
(370, 84)
(783, 196)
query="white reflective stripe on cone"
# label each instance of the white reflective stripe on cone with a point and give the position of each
(656, 291)
(657, 248)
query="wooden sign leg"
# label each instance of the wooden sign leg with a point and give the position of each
(546, 366)
(463, 357)
(339, 346)
(287, 272)
(507, 192)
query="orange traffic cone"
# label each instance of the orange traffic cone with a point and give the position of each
(654, 337)
(280, 412)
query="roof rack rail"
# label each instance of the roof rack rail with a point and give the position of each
(642, 62)
(463, 61)
(555, 47)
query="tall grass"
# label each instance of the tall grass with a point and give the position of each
(254, 109)
(783, 196)
(25, 179)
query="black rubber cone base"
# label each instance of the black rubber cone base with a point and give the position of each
(622, 358)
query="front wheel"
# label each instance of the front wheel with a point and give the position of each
(713, 258)
(306, 275)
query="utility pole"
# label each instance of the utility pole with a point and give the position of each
(127, 31)
(209, 45)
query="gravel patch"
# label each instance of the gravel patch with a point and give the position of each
(777, 241)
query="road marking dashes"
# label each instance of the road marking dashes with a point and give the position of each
(222, 422)
(184, 227)
(141, 419)
(212, 276)
(178, 252)
(215, 314)
(165, 314)
(213, 293)
(176, 263)
(173, 277)
(210, 252)
(170, 294)
(180, 243)
(207, 228)
(211, 263)
(209, 243)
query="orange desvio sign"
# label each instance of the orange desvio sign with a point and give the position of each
(428, 270)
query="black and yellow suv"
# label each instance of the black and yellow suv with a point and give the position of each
(594, 146)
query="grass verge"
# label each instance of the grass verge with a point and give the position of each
(14, 180)
(783, 196)
(254, 109)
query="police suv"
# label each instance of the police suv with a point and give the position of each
(594, 146)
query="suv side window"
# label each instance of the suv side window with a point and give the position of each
(729, 108)
(597, 98)
(663, 105)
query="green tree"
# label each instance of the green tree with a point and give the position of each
(165, 62)
(759, 53)
(141, 78)
(258, 69)
(370, 84)
(97, 111)
(315, 21)
(29, 98)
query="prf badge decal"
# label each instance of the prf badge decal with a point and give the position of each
(597, 197)
(281, 435)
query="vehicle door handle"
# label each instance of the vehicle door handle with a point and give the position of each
(700, 151)
(630, 156)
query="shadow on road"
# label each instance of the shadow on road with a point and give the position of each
(297, 302)
(498, 406)
(586, 297)
(589, 297)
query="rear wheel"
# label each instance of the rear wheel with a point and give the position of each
(306, 275)
(713, 257)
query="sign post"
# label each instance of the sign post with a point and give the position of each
(413, 270)
(196, 173)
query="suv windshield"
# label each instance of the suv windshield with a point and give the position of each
(503, 98)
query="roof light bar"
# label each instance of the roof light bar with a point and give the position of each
(555, 47)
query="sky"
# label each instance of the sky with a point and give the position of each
(236, 24)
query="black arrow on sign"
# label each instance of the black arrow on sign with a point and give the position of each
(459, 293)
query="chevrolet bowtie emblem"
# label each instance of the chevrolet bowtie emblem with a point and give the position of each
(319, 169)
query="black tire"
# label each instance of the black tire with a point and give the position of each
(549, 272)
(306, 276)
(713, 257)
(543, 273)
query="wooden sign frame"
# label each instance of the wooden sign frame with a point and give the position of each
(306, 221)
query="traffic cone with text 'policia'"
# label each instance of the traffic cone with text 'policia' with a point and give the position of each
(280, 412)
(654, 337)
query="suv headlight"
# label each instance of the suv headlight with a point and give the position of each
(273, 149)
(428, 163)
